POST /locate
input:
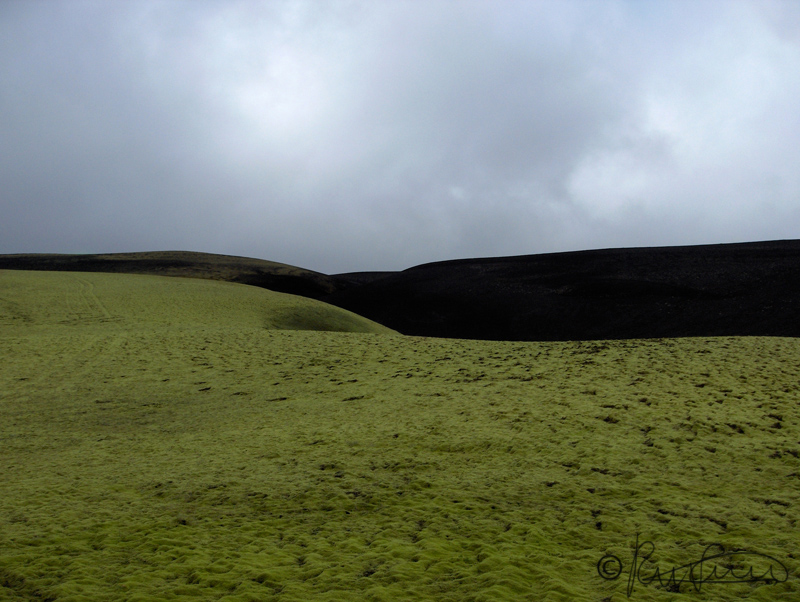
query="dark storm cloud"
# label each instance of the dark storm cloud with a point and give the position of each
(362, 135)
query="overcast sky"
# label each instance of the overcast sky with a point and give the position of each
(381, 134)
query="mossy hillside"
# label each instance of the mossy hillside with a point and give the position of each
(77, 298)
(146, 460)
(208, 266)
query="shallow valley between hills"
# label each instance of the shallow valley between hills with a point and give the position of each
(178, 439)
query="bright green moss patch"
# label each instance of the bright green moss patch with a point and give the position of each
(151, 457)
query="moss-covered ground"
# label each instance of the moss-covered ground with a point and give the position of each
(159, 442)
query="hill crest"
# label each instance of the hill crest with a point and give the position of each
(733, 289)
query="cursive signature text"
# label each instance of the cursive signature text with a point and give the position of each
(714, 566)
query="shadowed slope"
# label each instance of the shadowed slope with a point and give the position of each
(709, 290)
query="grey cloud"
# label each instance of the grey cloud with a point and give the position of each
(358, 135)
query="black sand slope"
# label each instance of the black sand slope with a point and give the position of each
(707, 290)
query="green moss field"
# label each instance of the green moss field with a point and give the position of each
(179, 439)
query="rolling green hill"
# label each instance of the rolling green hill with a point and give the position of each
(84, 299)
(173, 439)
(188, 264)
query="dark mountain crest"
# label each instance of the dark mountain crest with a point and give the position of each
(648, 292)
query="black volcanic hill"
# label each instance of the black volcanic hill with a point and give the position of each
(651, 292)
(708, 290)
